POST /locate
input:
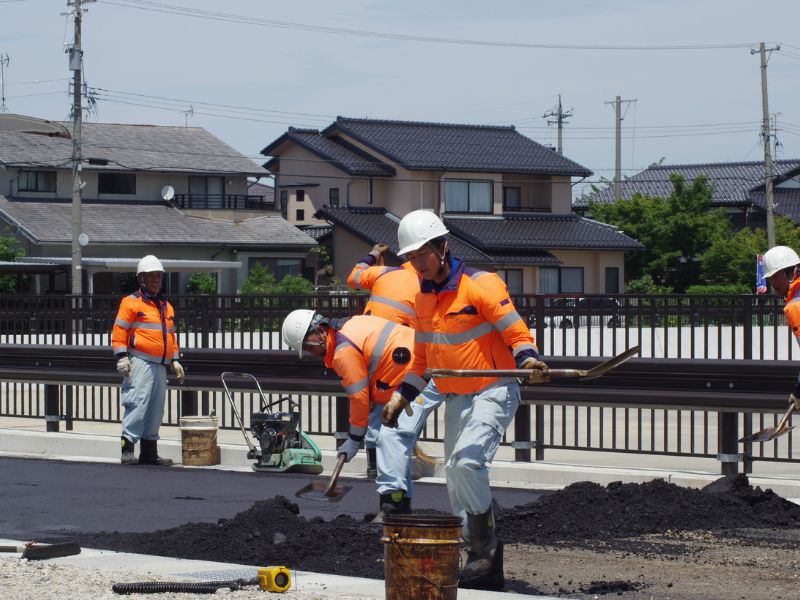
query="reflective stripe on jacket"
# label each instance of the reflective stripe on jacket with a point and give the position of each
(471, 323)
(371, 356)
(145, 329)
(393, 290)
(792, 308)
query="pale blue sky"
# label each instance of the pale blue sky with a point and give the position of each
(693, 105)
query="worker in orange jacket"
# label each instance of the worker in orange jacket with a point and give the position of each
(371, 356)
(392, 289)
(781, 267)
(145, 344)
(465, 320)
(392, 292)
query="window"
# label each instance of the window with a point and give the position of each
(300, 215)
(280, 267)
(564, 280)
(116, 183)
(333, 197)
(612, 280)
(512, 198)
(301, 195)
(513, 279)
(207, 192)
(36, 181)
(284, 204)
(468, 196)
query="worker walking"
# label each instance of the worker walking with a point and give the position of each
(392, 293)
(145, 344)
(781, 267)
(371, 356)
(465, 319)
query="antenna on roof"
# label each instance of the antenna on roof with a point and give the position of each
(4, 60)
(187, 114)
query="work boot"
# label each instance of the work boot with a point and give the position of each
(128, 457)
(484, 567)
(393, 503)
(149, 454)
(372, 463)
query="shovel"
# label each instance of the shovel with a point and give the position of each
(327, 492)
(770, 433)
(583, 374)
(34, 551)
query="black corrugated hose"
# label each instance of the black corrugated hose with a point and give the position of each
(162, 587)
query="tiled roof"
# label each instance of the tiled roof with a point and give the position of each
(135, 224)
(317, 232)
(341, 154)
(438, 146)
(732, 181)
(191, 150)
(786, 203)
(539, 232)
(259, 189)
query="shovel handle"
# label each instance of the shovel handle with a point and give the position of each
(502, 372)
(341, 459)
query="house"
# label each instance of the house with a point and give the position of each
(177, 192)
(738, 188)
(505, 198)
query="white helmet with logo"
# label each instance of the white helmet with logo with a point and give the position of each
(779, 258)
(417, 228)
(148, 264)
(295, 328)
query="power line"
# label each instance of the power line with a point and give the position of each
(160, 7)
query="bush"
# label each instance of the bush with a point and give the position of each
(10, 249)
(201, 283)
(711, 289)
(259, 281)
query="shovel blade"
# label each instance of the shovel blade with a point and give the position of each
(322, 491)
(766, 435)
(38, 552)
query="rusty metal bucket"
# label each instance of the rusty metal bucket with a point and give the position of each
(326, 491)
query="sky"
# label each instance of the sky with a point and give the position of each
(246, 70)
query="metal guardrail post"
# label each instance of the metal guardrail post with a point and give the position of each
(728, 443)
(52, 409)
(188, 403)
(522, 434)
(342, 419)
(538, 412)
(747, 462)
(747, 314)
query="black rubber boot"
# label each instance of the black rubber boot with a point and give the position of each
(149, 454)
(484, 567)
(372, 463)
(128, 457)
(393, 503)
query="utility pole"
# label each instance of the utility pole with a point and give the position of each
(765, 138)
(560, 116)
(76, 66)
(4, 60)
(618, 152)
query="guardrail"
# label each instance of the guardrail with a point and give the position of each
(693, 408)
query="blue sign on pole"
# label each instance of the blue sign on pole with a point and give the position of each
(761, 282)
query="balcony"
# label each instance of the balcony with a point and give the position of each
(223, 202)
(514, 208)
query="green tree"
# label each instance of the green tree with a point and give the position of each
(293, 285)
(676, 231)
(10, 249)
(201, 283)
(259, 281)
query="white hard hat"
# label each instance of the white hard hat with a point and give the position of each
(779, 258)
(417, 228)
(148, 264)
(295, 327)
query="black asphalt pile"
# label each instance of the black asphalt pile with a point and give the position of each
(588, 511)
(272, 532)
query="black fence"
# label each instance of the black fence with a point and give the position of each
(664, 326)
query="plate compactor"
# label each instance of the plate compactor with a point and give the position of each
(282, 445)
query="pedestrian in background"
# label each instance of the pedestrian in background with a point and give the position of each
(465, 319)
(145, 344)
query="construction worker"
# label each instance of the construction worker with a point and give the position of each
(393, 290)
(465, 320)
(371, 356)
(780, 264)
(145, 344)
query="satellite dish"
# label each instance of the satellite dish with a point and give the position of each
(167, 192)
(83, 239)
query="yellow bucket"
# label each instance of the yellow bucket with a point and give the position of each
(421, 556)
(199, 441)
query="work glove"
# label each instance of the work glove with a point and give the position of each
(178, 370)
(391, 411)
(124, 366)
(540, 370)
(379, 249)
(796, 401)
(349, 448)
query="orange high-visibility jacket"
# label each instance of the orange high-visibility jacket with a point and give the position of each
(393, 290)
(371, 356)
(471, 323)
(145, 329)
(792, 308)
